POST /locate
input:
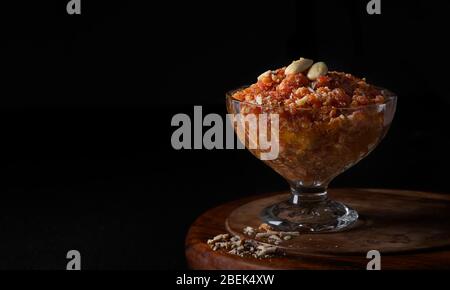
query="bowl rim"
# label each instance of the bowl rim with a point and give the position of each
(390, 97)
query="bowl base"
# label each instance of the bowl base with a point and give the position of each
(314, 217)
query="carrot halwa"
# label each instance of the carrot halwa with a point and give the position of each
(327, 120)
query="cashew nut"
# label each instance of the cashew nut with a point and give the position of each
(318, 69)
(298, 66)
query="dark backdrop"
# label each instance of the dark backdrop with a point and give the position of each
(86, 103)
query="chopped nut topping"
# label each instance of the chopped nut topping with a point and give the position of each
(249, 231)
(274, 239)
(265, 227)
(263, 251)
(248, 247)
(258, 100)
(262, 235)
(236, 246)
(218, 238)
(273, 236)
(235, 239)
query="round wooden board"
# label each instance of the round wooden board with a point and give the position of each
(410, 229)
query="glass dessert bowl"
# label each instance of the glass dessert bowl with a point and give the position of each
(321, 126)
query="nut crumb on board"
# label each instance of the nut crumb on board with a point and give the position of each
(265, 227)
(268, 248)
(249, 231)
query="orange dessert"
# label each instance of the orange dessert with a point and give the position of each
(327, 120)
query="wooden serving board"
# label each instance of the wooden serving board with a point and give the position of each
(410, 229)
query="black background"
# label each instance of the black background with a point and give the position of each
(86, 104)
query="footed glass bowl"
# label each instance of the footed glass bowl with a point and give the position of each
(309, 153)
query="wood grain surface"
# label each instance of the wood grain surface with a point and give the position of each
(410, 229)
